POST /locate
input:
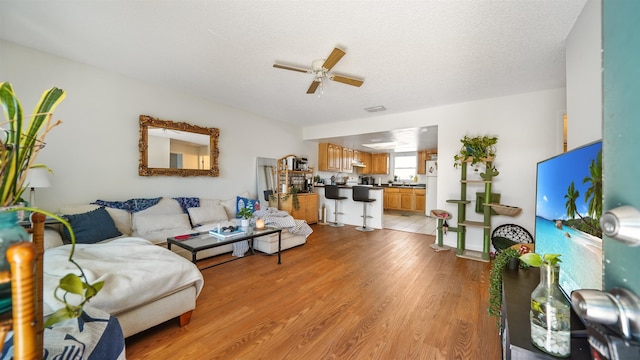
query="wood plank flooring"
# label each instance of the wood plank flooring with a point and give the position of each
(344, 295)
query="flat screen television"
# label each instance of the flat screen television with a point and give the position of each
(568, 210)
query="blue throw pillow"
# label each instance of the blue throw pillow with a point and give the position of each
(92, 226)
(246, 203)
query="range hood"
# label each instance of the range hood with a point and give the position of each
(358, 163)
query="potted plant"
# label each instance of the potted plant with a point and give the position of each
(475, 149)
(245, 214)
(20, 142)
(293, 192)
(499, 263)
(550, 311)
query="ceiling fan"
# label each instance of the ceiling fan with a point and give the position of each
(320, 69)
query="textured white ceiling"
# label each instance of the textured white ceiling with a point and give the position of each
(411, 54)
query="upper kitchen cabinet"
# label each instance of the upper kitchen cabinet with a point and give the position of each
(329, 157)
(336, 158)
(347, 159)
(363, 158)
(423, 156)
(379, 163)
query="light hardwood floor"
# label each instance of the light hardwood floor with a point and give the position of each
(344, 295)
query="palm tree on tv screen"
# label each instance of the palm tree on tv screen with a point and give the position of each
(593, 199)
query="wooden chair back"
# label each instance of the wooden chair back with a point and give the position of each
(26, 275)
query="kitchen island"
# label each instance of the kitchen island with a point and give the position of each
(352, 210)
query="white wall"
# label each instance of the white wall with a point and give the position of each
(94, 153)
(529, 130)
(584, 77)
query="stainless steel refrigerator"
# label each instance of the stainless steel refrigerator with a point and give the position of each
(432, 186)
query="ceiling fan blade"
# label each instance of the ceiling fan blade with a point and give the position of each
(291, 68)
(346, 80)
(313, 87)
(333, 58)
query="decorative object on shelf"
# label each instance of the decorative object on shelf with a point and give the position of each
(550, 311)
(499, 263)
(19, 146)
(475, 148)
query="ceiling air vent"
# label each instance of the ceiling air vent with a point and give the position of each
(375, 108)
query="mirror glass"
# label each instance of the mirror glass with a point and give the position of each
(266, 179)
(177, 148)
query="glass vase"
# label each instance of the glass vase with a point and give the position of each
(10, 233)
(550, 314)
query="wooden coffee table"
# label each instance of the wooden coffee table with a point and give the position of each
(203, 240)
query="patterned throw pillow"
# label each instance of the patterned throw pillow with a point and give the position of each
(242, 202)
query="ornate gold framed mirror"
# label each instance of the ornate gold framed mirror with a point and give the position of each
(177, 149)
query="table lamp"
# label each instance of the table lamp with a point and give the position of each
(37, 178)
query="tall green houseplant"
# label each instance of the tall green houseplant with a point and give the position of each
(20, 142)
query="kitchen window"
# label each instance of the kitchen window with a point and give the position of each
(404, 166)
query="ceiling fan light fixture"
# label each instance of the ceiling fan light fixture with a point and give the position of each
(321, 68)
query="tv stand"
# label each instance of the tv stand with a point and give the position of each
(515, 333)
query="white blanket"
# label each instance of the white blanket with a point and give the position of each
(135, 272)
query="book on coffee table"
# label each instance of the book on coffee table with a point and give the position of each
(226, 234)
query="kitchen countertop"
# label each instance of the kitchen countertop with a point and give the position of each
(375, 187)
(371, 187)
(414, 186)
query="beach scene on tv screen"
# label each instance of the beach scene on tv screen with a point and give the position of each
(568, 209)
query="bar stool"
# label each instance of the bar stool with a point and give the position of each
(361, 193)
(332, 192)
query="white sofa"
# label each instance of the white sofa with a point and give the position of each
(155, 224)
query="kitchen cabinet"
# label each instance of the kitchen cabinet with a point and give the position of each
(406, 199)
(391, 198)
(423, 156)
(308, 206)
(347, 159)
(420, 199)
(365, 158)
(380, 163)
(329, 157)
